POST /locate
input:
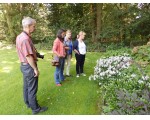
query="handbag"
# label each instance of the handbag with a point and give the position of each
(55, 60)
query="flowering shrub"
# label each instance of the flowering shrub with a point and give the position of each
(109, 68)
(121, 73)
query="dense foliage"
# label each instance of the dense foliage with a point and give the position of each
(103, 22)
(11, 16)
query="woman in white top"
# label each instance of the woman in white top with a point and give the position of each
(79, 48)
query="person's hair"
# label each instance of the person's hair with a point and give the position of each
(27, 21)
(81, 33)
(60, 31)
(68, 31)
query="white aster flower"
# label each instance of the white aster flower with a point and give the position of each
(90, 78)
(133, 75)
(145, 77)
(140, 81)
(100, 83)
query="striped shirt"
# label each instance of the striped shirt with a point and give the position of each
(25, 47)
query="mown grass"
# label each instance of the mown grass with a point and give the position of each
(77, 96)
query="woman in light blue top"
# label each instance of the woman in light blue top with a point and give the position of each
(69, 48)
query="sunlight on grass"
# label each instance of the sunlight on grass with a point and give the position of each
(8, 62)
(4, 62)
(45, 52)
(7, 47)
(42, 53)
(50, 52)
(17, 61)
(6, 69)
(73, 60)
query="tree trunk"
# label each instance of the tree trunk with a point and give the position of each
(99, 20)
(93, 22)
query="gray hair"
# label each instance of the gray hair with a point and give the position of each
(27, 21)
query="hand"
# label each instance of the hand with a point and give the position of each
(67, 48)
(60, 56)
(36, 73)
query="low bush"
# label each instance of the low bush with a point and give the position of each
(124, 85)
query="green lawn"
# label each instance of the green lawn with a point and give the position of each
(77, 96)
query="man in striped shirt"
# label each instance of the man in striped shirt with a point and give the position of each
(27, 56)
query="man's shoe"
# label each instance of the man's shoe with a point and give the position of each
(42, 109)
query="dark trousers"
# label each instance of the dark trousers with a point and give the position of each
(30, 87)
(79, 63)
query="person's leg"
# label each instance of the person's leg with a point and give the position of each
(32, 86)
(32, 90)
(82, 65)
(68, 65)
(56, 75)
(61, 76)
(77, 63)
(62, 68)
(65, 66)
(69, 62)
(25, 89)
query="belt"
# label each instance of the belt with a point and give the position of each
(24, 63)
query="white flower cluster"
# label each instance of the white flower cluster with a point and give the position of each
(143, 79)
(111, 66)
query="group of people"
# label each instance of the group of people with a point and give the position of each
(62, 48)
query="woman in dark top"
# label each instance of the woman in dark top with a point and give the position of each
(79, 48)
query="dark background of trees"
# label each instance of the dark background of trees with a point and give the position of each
(103, 22)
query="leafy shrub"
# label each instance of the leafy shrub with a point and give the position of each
(141, 53)
(121, 81)
(45, 44)
(103, 47)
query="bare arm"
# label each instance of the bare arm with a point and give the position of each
(32, 64)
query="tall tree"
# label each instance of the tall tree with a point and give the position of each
(12, 15)
(93, 21)
(8, 16)
(99, 20)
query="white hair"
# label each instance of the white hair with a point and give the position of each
(27, 21)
